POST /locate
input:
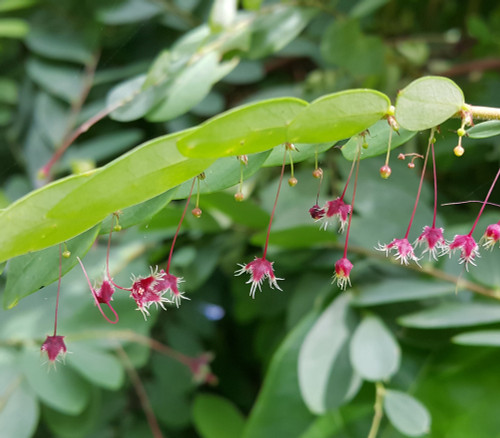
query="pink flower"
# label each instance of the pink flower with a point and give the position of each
(434, 240)
(259, 270)
(403, 250)
(168, 282)
(342, 270)
(336, 209)
(468, 247)
(491, 235)
(145, 293)
(54, 346)
(105, 292)
(316, 212)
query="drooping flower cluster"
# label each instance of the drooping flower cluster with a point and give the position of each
(259, 269)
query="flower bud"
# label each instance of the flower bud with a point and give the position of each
(239, 197)
(411, 165)
(292, 182)
(318, 173)
(117, 227)
(196, 212)
(458, 150)
(401, 157)
(66, 254)
(385, 171)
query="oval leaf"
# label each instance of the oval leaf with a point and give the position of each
(325, 377)
(427, 102)
(406, 413)
(375, 354)
(485, 129)
(338, 116)
(486, 338)
(248, 129)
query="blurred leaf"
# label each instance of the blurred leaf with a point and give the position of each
(72, 205)
(394, 290)
(252, 4)
(455, 314)
(244, 130)
(484, 129)
(99, 367)
(304, 236)
(130, 11)
(406, 413)
(427, 102)
(486, 338)
(8, 90)
(246, 72)
(337, 116)
(62, 390)
(19, 410)
(13, 28)
(273, 31)
(223, 14)
(366, 7)
(63, 82)
(210, 411)
(134, 101)
(30, 272)
(188, 88)
(374, 352)
(377, 140)
(213, 103)
(326, 378)
(64, 47)
(303, 152)
(12, 5)
(279, 409)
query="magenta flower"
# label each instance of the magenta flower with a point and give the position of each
(491, 235)
(336, 209)
(403, 250)
(468, 247)
(342, 271)
(433, 239)
(316, 212)
(54, 347)
(145, 293)
(259, 270)
(169, 283)
(105, 292)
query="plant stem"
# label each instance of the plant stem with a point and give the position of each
(484, 203)
(434, 175)
(379, 412)
(274, 206)
(483, 112)
(179, 226)
(58, 289)
(352, 201)
(348, 179)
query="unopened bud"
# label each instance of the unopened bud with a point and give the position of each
(401, 157)
(243, 159)
(66, 254)
(202, 176)
(239, 196)
(292, 182)
(290, 147)
(411, 165)
(196, 212)
(458, 150)
(385, 171)
(117, 227)
(460, 132)
(318, 173)
(364, 145)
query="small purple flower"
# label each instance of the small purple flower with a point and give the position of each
(316, 212)
(342, 271)
(433, 239)
(259, 270)
(54, 347)
(105, 292)
(468, 247)
(168, 282)
(144, 293)
(336, 209)
(491, 235)
(403, 250)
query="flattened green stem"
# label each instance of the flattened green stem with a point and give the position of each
(482, 112)
(378, 407)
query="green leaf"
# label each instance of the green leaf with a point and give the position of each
(19, 411)
(28, 273)
(303, 152)
(486, 338)
(394, 290)
(279, 410)
(12, 5)
(223, 14)
(485, 129)
(13, 28)
(244, 130)
(188, 88)
(338, 116)
(8, 90)
(458, 314)
(252, 5)
(65, 208)
(326, 378)
(375, 353)
(365, 7)
(406, 413)
(63, 82)
(377, 140)
(211, 411)
(303, 236)
(427, 102)
(99, 367)
(62, 390)
(130, 11)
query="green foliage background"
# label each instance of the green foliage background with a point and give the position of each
(280, 373)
